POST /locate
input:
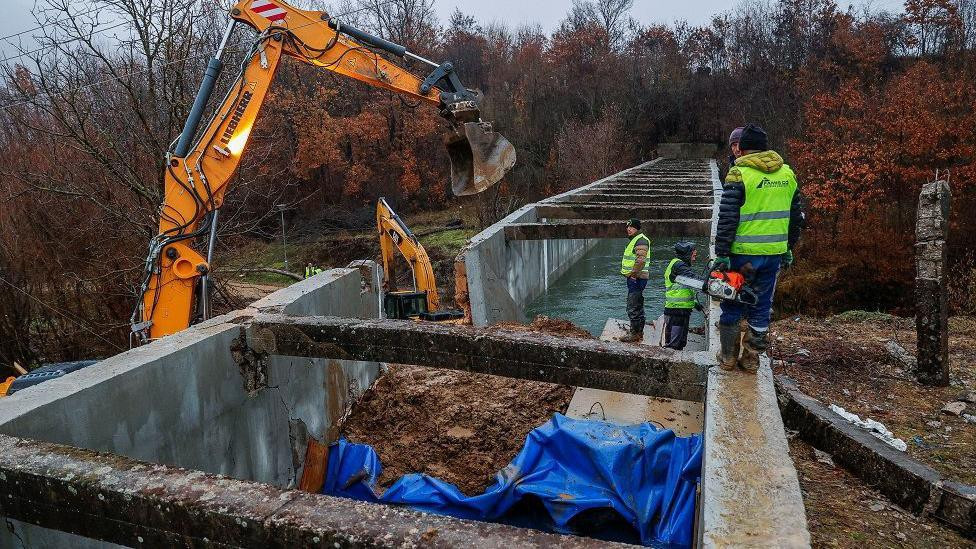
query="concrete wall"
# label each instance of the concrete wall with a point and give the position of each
(505, 276)
(182, 400)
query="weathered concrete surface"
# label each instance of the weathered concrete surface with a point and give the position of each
(138, 504)
(686, 150)
(637, 199)
(350, 292)
(607, 228)
(681, 416)
(503, 277)
(195, 400)
(614, 211)
(750, 493)
(906, 482)
(519, 354)
(932, 316)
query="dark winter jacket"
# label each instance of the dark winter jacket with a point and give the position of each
(681, 268)
(734, 196)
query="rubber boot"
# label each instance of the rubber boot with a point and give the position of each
(755, 345)
(632, 337)
(729, 337)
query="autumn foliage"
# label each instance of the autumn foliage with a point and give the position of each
(866, 106)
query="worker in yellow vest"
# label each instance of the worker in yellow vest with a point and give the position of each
(759, 222)
(311, 270)
(679, 300)
(635, 266)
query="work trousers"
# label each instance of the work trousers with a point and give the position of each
(763, 283)
(676, 328)
(635, 304)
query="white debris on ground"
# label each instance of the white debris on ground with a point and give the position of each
(876, 428)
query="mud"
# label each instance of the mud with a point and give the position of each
(547, 325)
(456, 426)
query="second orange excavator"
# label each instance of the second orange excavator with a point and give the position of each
(174, 289)
(422, 302)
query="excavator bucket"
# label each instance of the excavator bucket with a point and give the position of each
(479, 158)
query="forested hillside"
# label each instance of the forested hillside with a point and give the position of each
(866, 106)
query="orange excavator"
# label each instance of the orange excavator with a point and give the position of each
(422, 302)
(199, 167)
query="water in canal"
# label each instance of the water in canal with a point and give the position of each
(593, 290)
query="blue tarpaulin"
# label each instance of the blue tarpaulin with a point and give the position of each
(647, 475)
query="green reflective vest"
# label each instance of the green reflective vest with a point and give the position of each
(311, 271)
(677, 296)
(630, 258)
(764, 218)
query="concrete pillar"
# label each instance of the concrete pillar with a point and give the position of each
(932, 318)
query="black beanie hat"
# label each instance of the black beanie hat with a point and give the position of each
(684, 249)
(634, 222)
(753, 138)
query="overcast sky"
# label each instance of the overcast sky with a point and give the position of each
(16, 13)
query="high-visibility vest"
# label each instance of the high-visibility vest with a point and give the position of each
(630, 258)
(764, 218)
(677, 296)
(311, 271)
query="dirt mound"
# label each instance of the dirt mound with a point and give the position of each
(546, 325)
(456, 426)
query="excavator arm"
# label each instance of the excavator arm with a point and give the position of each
(394, 234)
(198, 169)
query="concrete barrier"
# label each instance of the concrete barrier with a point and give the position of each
(503, 276)
(190, 400)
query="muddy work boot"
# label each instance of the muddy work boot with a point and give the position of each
(633, 337)
(729, 337)
(755, 345)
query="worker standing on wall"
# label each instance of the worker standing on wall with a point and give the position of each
(635, 266)
(679, 300)
(759, 222)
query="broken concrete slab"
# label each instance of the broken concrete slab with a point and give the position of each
(510, 353)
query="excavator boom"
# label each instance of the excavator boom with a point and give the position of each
(422, 302)
(199, 168)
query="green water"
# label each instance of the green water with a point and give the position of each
(593, 290)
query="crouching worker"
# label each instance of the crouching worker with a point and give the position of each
(635, 266)
(679, 300)
(759, 222)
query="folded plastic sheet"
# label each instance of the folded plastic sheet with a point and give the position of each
(647, 475)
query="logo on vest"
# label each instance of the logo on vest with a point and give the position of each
(767, 183)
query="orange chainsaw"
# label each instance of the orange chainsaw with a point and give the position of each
(726, 285)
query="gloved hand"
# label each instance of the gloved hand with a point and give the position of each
(787, 259)
(721, 263)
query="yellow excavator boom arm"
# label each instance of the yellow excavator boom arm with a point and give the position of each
(198, 170)
(394, 234)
